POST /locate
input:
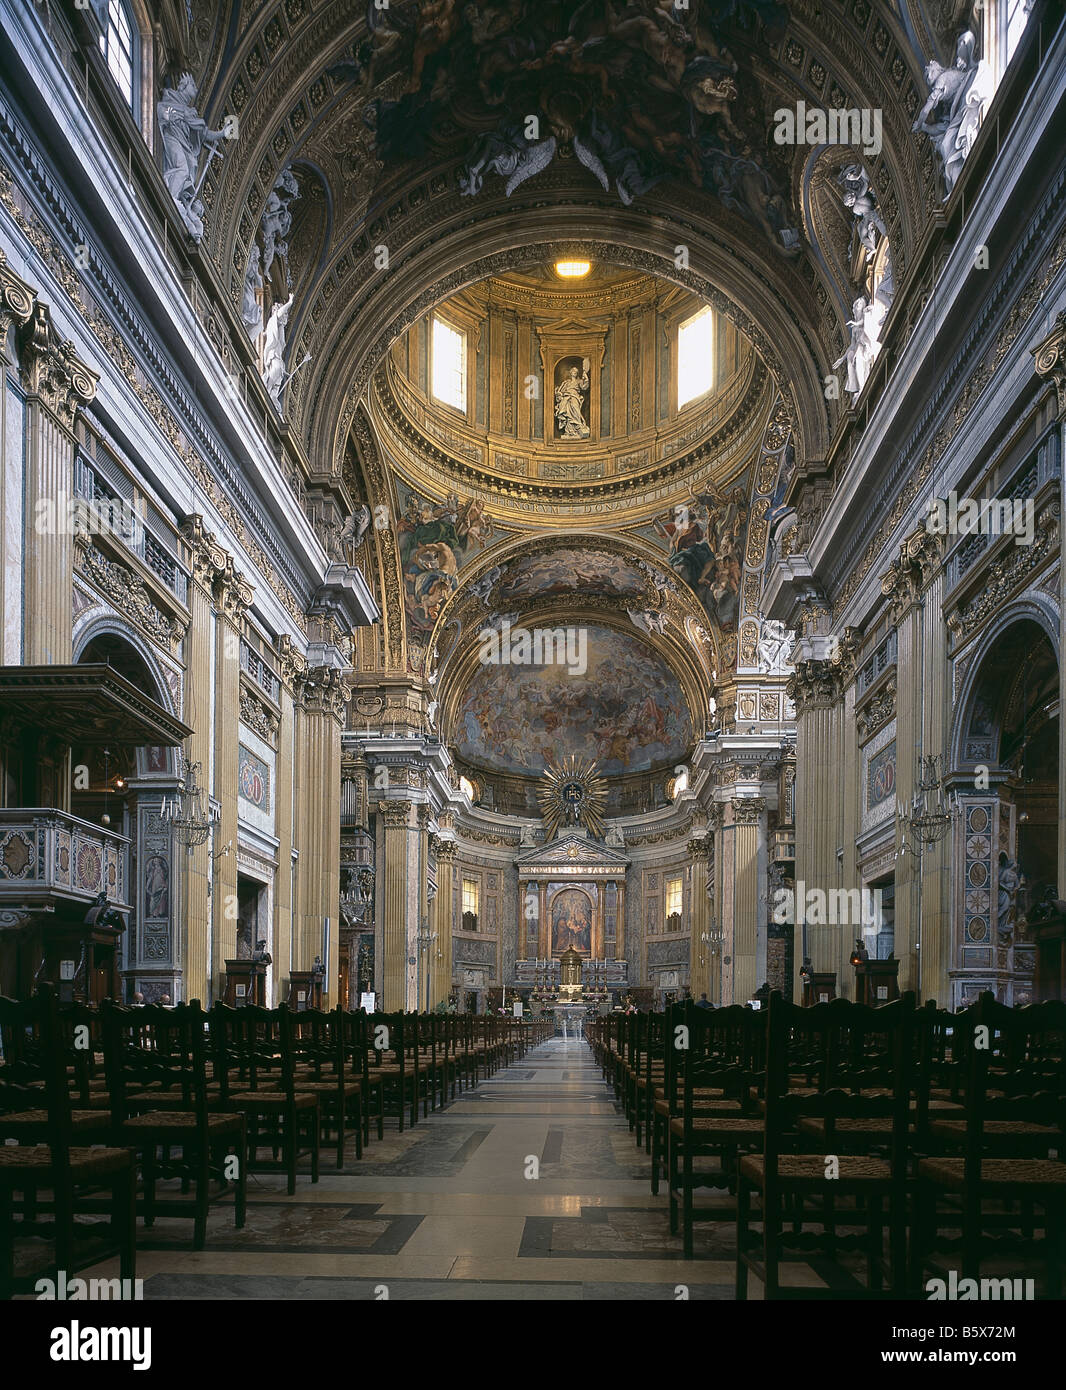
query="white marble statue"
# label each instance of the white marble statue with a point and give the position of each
(614, 838)
(353, 532)
(861, 199)
(526, 838)
(274, 350)
(277, 220)
(251, 308)
(952, 112)
(865, 326)
(185, 136)
(648, 620)
(775, 647)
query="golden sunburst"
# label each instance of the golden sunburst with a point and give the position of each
(572, 792)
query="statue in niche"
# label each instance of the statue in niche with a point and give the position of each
(865, 326)
(277, 221)
(251, 308)
(1010, 885)
(952, 112)
(861, 199)
(185, 136)
(274, 350)
(571, 399)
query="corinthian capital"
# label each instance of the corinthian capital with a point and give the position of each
(748, 809)
(16, 304)
(52, 369)
(815, 685)
(1050, 361)
(322, 691)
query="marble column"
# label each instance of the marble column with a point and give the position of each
(232, 600)
(398, 839)
(701, 849)
(441, 921)
(323, 698)
(208, 561)
(749, 846)
(56, 383)
(815, 691)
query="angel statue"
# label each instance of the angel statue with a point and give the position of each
(251, 309)
(860, 198)
(509, 154)
(352, 533)
(185, 136)
(863, 348)
(952, 112)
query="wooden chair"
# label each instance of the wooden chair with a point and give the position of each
(155, 1061)
(321, 1069)
(73, 1177)
(814, 1057)
(1012, 1142)
(254, 1066)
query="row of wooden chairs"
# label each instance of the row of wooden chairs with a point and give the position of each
(100, 1106)
(945, 1133)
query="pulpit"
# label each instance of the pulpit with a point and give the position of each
(819, 987)
(246, 983)
(301, 990)
(877, 981)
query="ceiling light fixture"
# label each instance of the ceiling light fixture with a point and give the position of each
(572, 270)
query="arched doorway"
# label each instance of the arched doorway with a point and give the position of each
(1007, 743)
(123, 788)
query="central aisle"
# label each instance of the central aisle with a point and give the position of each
(446, 1210)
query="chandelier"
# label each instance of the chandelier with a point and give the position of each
(187, 811)
(930, 812)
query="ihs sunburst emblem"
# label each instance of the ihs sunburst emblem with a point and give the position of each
(573, 793)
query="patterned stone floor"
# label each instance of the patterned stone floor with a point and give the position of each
(446, 1211)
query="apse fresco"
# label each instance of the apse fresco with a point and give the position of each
(562, 571)
(627, 711)
(436, 539)
(705, 538)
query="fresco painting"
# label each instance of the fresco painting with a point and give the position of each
(562, 571)
(436, 539)
(706, 538)
(627, 710)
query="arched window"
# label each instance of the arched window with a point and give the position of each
(118, 43)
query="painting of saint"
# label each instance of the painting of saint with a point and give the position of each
(571, 922)
(572, 398)
(706, 538)
(435, 539)
(156, 886)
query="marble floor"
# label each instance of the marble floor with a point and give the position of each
(528, 1186)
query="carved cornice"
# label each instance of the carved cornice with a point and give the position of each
(322, 690)
(258, 716)
(877, 712)
(16, 304)
(131, 597)
(1050, 361)
(210, 561)
(51, 368)
(1008, 574)
(911, 573)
